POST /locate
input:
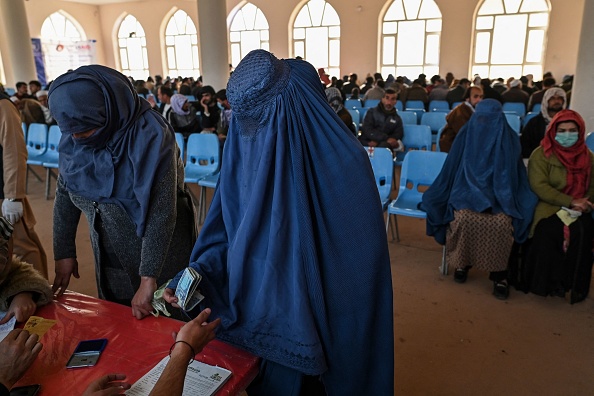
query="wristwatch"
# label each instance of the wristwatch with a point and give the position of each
(14, 199)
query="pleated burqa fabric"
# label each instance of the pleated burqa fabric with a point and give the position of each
(293, 252)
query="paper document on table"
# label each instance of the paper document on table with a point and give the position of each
(38, 325)
(201, 379)
(6, 327)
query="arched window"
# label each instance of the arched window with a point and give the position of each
(248, 31)
(132, 49)
(181, 43)
(59, 35)
(509, 38)
(316, 36)
(410, 33)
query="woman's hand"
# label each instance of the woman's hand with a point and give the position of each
(21, 307)
(169, 296)
(64, 269)
(582, 205)
(108, 385)
(141, 303)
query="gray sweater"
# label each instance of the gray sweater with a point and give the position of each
(162, 252)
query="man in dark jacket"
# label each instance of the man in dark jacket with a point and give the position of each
(382, 126)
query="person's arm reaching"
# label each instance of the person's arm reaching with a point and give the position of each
(17, 353)
(192, 337)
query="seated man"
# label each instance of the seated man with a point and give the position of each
(210, 110)
(554, 100)
(382, 126)
(459, 116)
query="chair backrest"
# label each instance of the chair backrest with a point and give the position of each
(518, 107)
(414, 104)
(371, 102)
(528, 117)
(203, 152)
(362, 111)
(383, 169)
(436, 120)
(590, 141)
(355, 116)
(24, 126)
(420, 169)
(439, 105)
(514, 121)
(9, 91)
(456, 104)
(350, 103)
(179, 139)
(399, 105)
(437, 148)
(408, 117)
(417, 137)
(536, 108)
(37, 139)
(53, 142)
(191, 98)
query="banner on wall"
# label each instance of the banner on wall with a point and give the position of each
(60, 56)
(38, 57)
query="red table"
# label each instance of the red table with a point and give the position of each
(134, 347)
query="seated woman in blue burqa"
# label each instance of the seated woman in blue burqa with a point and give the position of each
(280, 253)
(481, 201)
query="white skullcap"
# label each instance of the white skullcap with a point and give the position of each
(40, 93)
(514, 83)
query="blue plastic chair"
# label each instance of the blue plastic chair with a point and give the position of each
(382, 164)
(517, 107)
(51, 156)
(371, 102)
(435, 120)
(209, 181)
(362, 111)
(514, 122)
(399, 105)
(191, 98)
(437, 148)
(536, 108)
(179, 139)
(416, 137)
(414, 104)
(408, 117)
(9, 91)
(36, 143)
(590, 142)
(24, 126)
(439, 105)
(202, 156)
(456, 104)
(528, 117)
(420, 169)
(353, 103)
(355, 116)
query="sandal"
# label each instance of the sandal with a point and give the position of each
(501, 290)
(460, 275)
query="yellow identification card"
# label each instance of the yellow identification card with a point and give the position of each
(38, 325)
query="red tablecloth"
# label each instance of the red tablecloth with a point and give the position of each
(134, 347)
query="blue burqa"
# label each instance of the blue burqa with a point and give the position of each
(483, 172)
(130, 149)
(293, 252)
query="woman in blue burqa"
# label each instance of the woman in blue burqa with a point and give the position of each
(293, 252)
(481, 201)
(120, 166)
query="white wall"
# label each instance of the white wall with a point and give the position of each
(359, 30)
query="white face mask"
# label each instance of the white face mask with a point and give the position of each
(566, 139)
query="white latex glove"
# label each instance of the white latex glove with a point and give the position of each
(12, 210)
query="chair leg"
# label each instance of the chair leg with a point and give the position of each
(387, 222)
(397, 232)
(444, 263)
(47, 182)
(201, 205)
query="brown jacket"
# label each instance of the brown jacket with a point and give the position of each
(14, 151)
(455, 121)
(18, 277)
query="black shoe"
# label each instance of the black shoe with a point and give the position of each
(460, 275)
(501, 290)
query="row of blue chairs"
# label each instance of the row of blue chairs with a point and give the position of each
(42, 149)
(419, 170)
(202, 164)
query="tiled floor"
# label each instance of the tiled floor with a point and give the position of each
(450, 339)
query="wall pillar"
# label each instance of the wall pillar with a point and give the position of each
(19, 52)
(214, 56)
(583, 82)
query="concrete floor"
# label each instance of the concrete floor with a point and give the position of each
(450, 339)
